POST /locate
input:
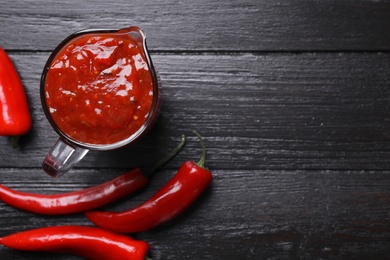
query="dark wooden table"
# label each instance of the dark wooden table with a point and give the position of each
(292, 98)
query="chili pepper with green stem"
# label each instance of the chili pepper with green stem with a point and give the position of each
(87, 242)
(170, 201)
(86, 199)
(15, 118)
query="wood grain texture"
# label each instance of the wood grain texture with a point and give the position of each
(292, 98)
(288, 111)
(205, 25)
(282, 214)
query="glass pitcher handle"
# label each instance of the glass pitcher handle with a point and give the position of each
(62, 157)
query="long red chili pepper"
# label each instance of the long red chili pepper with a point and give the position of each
(86, 199)
(171, 200)
(15, 118)
(87, 242)
(76, 201)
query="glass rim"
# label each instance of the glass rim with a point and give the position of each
(155, 81)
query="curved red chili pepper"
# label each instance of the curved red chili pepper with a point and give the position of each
(86, 199)
(171, 200)
(76, 201)
(15, 117)
(88, 242)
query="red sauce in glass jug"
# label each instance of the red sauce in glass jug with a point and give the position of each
(99, 89)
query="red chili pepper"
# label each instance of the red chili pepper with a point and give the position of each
(88, 242)
(76, 201)
(170, 201)
(15, 119)
(86, 199)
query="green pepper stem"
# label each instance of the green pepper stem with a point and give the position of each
(14, 139)
(170, 155)
(202, 160)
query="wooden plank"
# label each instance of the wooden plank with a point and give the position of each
(205, 25)
(246, 214)
(285, 111)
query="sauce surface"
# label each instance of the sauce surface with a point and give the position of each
(99, 89)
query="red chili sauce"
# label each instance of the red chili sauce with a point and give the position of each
(99, 88)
